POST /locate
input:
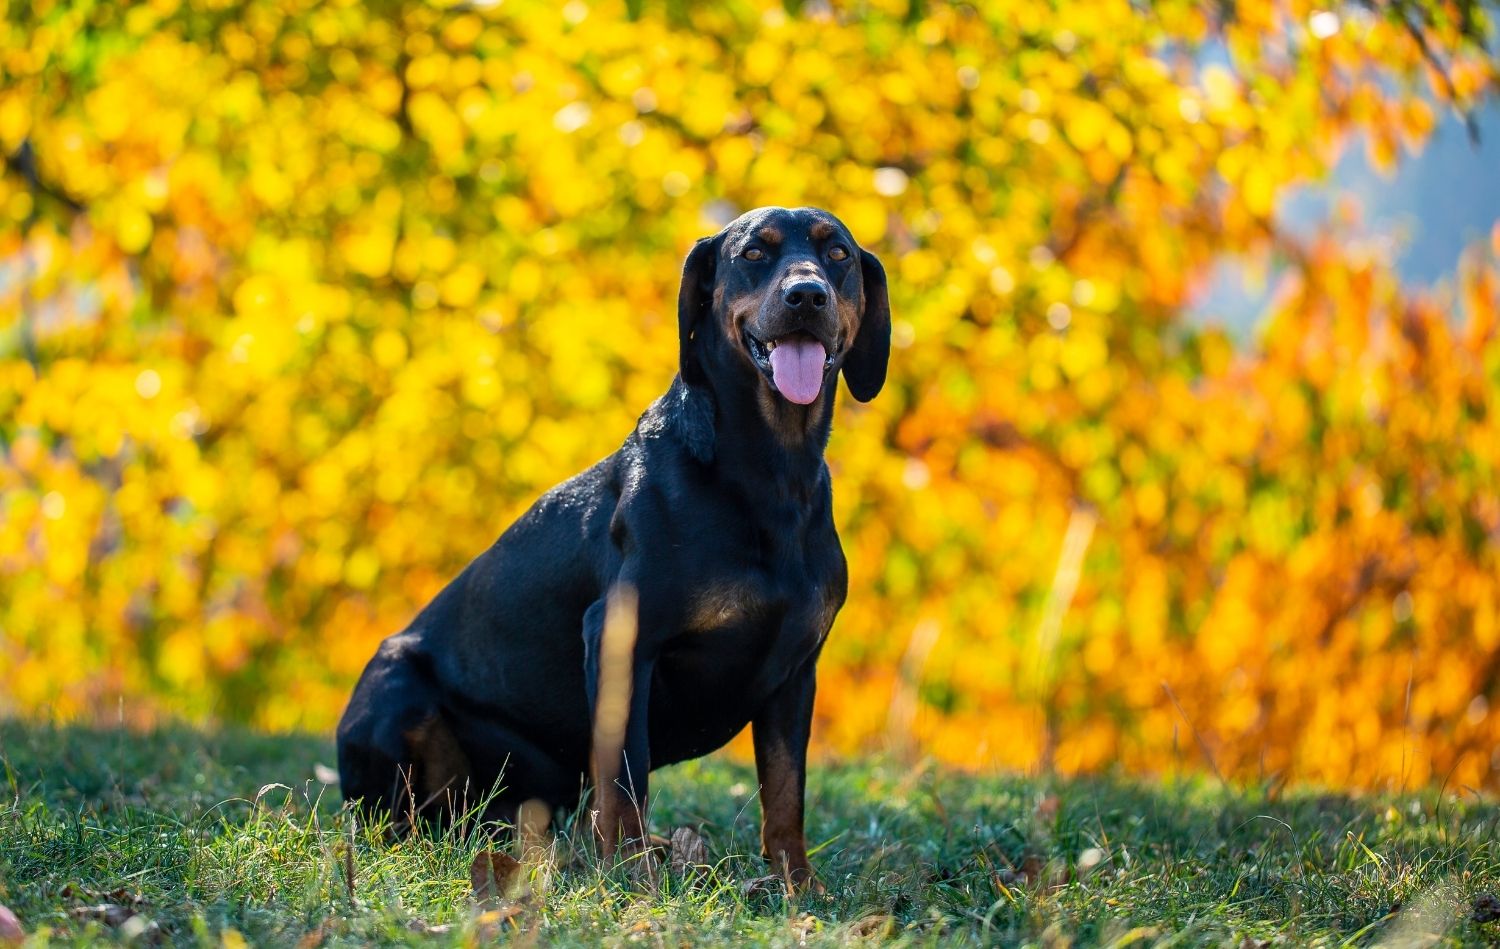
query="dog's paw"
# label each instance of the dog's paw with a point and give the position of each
(806, 883)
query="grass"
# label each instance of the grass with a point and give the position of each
(227, 838)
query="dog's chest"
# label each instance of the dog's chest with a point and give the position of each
(750, 600)
(742, 637)
(761, 581)
(724, 602)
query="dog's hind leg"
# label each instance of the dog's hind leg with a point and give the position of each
(440, 770)
(397, 753)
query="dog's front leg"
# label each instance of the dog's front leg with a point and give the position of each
(618, 677)
(780, 731)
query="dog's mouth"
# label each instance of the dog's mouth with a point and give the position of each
(795, 364)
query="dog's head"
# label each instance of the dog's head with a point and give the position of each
(783, 299)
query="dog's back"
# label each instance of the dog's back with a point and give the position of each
(716, 513)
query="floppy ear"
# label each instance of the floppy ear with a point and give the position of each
(864, 367)
(694, 299)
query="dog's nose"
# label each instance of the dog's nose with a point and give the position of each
(805, 296)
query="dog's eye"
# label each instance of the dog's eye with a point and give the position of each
(754, 253)
(838, 252)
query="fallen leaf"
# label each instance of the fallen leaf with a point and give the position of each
(110, 914)
(313, 939)
(491, 875)
(689, 852)
(805, 925)
(1486, 908)
(487, 924)
(119, 895)
(130, 924)
(421, 926)
(880, 924)
(325, 774)
(11, 931)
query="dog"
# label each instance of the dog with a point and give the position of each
(716, 513)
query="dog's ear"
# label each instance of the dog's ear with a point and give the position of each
(864, 367)
(694, 300)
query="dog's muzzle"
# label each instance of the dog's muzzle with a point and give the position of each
(796, 364)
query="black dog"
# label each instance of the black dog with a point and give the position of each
(716, 511)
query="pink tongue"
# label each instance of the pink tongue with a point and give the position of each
(797, 369)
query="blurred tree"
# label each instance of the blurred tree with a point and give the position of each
(300, 303)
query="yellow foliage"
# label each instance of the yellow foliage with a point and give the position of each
(301, 303)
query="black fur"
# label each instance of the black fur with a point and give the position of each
(719, 498)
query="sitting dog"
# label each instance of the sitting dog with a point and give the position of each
(716, 513)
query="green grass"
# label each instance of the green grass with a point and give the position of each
(181, 829)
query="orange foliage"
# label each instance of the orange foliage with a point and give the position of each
(300, 303)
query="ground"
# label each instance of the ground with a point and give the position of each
(229, 838)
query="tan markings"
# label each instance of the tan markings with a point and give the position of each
(716, 607)
(770, 403)
(820, 230)
(736, 314)
(442, 768)
(769, 234)
(619, 821)
(848, 319)
(790, 423)
(742, 306)
(781, 834)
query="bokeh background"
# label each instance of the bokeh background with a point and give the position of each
(1177, 467)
